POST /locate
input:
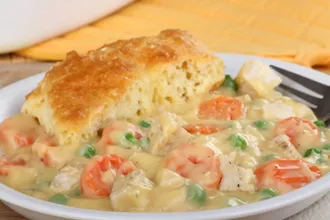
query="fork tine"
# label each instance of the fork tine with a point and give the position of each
(308, 98)
(308, 83)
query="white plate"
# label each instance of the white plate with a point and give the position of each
(12, 97)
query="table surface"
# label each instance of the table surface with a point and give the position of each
(14, 68)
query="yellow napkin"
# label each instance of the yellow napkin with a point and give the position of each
(293, 30)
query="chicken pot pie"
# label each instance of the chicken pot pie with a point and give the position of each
(154, 125)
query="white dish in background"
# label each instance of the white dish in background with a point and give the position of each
(12, 97)
(26, 22)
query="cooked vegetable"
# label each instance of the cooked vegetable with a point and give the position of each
(320, 124)
(311, 151)
(87, 151)
(238, 141)
(59, 199)
(197, 194)
(120, 133)
(284, 175)
(261, 124)
(222, 107)
(248, 144)
(229, 83)
(131, 191)
(202, 128)
(130, 138)
(145, 124)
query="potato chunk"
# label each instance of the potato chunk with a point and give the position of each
(168, 179)
(170, 200)
(131, 192)
(20, 177)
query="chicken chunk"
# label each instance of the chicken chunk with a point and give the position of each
(283, 145)
(66, 179)
(167, 133)
(257, 79)
(277, 111)
(131, 192)
(236, 178)
(243, 159)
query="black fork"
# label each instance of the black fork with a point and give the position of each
(320, 105)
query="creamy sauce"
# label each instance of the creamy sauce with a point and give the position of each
(161, 163)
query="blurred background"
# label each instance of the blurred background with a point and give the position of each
(40, 31)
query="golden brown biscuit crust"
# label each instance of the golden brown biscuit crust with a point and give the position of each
(79, 86)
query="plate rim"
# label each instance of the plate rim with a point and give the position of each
(319, 186)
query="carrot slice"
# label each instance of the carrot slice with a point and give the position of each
(222, 107)
(202, 128)
(286, 174)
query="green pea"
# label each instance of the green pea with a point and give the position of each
(144, 142)
(87, 151)
(237, 141)
(326, 146)
(59, 198)
(229, 83)
(197, 194)
(268, 193)
(269, 157)
(145, 124)
(320, 124)
(311, 151)
(130, 138)
(261, 124)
